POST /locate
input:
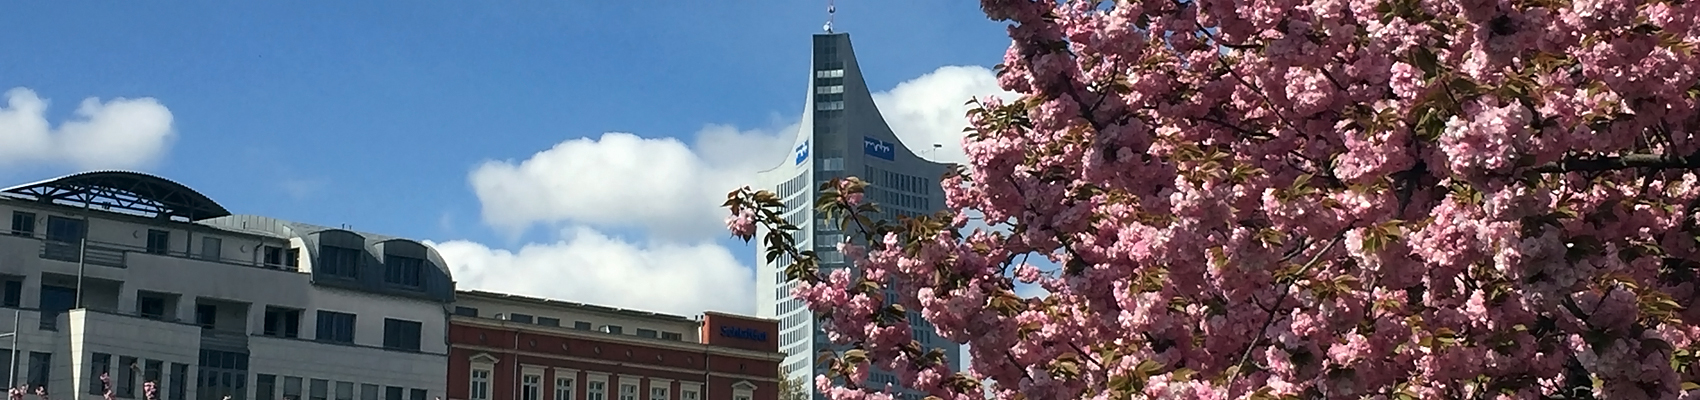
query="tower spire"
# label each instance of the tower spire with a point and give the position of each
(829, 11)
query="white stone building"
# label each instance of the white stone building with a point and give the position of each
(148, 280)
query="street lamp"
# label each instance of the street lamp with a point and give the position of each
(12, 355)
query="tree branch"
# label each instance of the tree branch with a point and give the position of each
(1630, 161)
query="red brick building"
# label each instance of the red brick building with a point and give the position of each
(507, 347)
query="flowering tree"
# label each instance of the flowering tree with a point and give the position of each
(1296, 199)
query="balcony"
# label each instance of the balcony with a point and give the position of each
(116, 255)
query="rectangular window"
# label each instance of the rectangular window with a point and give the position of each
(368, 391)
(648, 333)
(614, 329)
(339, 261)
(466, 311)
(23, 223)
(212, 248)
(179, 387)
(292, 388)
(335, 327)
(99, 363)
(265, 387)
(345, 391)
(152, 371)
(392, 393)
(274, 256)
(531, 387)
(292, 258)
(628, 391)
(480, 387)
(581, 325)
(832, 164)
(657, 392)
(416, 394)
(401, 335)
(688, 394)
(159, 241)
(125, 377)
(404, 271)
(282, 322)
(39, 366)
(150, 305)
(14, 292)
(318, 389)
(564, 388)
(64, 238)
(831, 73)
(596, 390)
(672, 336)
(206, 315)
(517, 317)
(546, 321)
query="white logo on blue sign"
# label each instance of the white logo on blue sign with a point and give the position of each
(879, 148)
(802, 152)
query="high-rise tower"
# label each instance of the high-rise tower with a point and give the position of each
(842, 135)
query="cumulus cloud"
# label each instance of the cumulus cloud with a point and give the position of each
(119, 133)
(669, 190)
(589, 266)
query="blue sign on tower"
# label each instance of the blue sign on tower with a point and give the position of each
(802, 152)
(879, 148)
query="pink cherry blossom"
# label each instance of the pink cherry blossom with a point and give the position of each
(1296, 198)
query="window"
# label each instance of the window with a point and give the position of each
(14, 292)
(179, 381)
(416, 394)
(345, 391)
(833, 73)
(274, 256)
(339, 261)
(318, 389)
(206, 315)
(212, 248)
(480, 387)
(657, 392)
(265, 387)
(832, 164)
(546, 321)
(743, 390)
(64, 236)
(150, 305)
(581, 325)
(100, 363)
(282, 322)
(688, 394)
(596, 390)
(368, 391)
(124, 378)
(466, 311)
(159, 241)
(292, 257)
(672, 336)
(225, 373)
(39, 366)
(392, 393)
(401, 335)
(628, 391)
(832, 89)
(23, 223)
(614, 329)
(563, 387)
(531, 387)
(648, 333)
(151, 371)
(404, 271)
(517, 317)
(335, 327)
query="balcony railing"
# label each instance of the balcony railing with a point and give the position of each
(116, 255)
(226, 339)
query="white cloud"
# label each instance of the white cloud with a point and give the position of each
(588, 266)
(672, 191)
(120, 133)
(930, 110)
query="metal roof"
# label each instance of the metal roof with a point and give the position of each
(123, 191)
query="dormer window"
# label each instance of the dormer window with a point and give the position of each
(403, 271)
(339, 261)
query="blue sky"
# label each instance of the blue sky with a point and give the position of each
(424, 119)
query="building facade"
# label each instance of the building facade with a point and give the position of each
(507, 347)
(148, 280)
(842, 135)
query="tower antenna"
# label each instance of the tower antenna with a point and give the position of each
(829, 11)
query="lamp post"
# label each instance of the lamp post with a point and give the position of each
(12, 355)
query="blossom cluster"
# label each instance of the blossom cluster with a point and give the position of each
(1296, 199)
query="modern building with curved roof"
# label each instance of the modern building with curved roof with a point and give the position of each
(146, 279)
(843, 134)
